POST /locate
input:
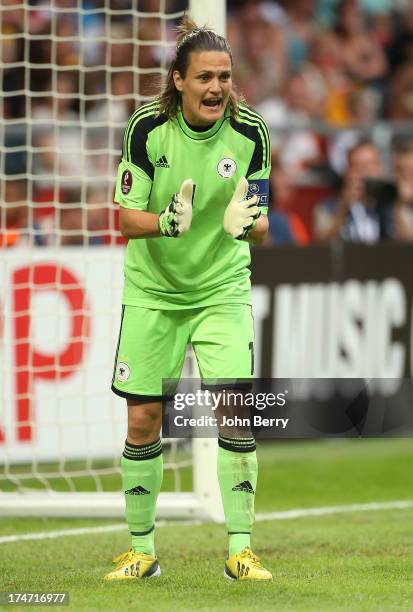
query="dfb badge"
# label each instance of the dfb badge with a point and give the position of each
(126, 183)
(122, 371)
(227, 167)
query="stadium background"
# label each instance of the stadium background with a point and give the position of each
(323, 74)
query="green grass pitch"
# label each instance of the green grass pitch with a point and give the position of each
(354, 561)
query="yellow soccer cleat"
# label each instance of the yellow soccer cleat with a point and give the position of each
(245, 566)
(134, 565)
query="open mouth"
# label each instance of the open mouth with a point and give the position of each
(212, 102)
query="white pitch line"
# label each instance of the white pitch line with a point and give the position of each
(270, 516)
(299, 513)
(46, 535)
(51, 535)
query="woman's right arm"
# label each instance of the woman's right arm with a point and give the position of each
(138, 223)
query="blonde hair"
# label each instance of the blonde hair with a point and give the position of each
(192, 39)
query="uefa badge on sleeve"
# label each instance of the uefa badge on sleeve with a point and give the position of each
(253, 189)
(126, 183)
(259, 188)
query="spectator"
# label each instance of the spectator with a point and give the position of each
(105, 121)
(117, 105)
(81, 217)
(285, 226)
(365, 109)
(152, 56)
(60, 159)
(67, 47)
(259, 44)
(63, 105)
(401, 90)
(120, 47)
(350, 59)
(12, 52)
(400, 50)
(98, 212)
(401, 93)
(326, 57)
(305, 97)
(299, 147)
(93, 30)
(17, 226)
(301, 29)
(403, 203)
(362, 55)
(352, 215)
(71, 220)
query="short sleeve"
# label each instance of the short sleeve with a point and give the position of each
(133, 186)
(251, 125)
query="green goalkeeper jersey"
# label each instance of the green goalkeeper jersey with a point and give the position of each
(205, 266)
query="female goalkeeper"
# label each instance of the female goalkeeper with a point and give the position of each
(192, 187)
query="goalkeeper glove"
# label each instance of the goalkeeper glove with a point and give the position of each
(177, 216)
(241, 215)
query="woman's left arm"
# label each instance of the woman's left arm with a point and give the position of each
(259, 233)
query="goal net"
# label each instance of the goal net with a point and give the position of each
(72, 73)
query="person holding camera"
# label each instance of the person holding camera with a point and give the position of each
(403, 204)
(352, 214)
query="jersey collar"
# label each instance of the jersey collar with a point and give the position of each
(200, 135)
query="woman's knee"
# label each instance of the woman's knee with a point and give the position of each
(144, 422)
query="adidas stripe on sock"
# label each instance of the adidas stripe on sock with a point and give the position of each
(237, 445)
(142, 451)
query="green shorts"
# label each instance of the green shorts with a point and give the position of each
(152, 346)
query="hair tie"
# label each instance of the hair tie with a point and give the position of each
(188, 37)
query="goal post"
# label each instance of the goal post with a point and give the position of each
(211, 13)
(61, 428)
(72, 76)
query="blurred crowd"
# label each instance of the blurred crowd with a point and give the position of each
(332, 78)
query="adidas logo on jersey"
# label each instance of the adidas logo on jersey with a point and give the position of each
(244, 486)
(137, 491)
(162, 162)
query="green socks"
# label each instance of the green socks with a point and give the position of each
(142, 471)
(237, 475)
